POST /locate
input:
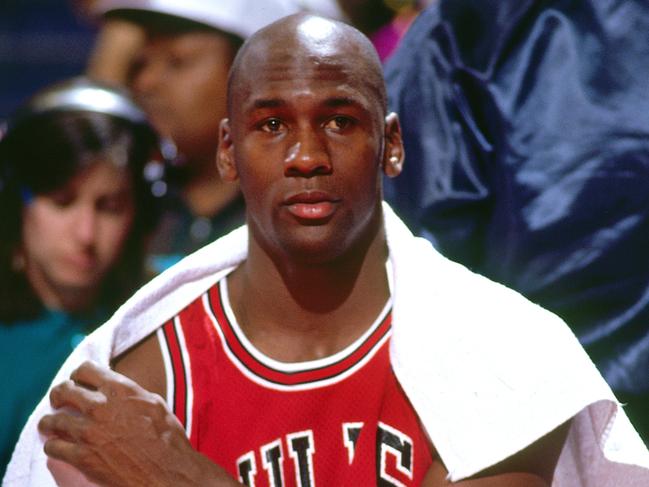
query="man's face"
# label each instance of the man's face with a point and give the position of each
(306, 136)
(180, 80)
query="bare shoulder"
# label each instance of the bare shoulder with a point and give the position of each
(144, 364)
(532, 467)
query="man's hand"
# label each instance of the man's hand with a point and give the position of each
(117, 433)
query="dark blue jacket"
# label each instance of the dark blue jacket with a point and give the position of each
(526, 125)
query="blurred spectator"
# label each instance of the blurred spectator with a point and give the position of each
(75, 208)
(119, 39)
(526, 125)
(180, 78)
(117, 44)
(384, 21)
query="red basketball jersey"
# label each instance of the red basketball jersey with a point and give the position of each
(338, 421)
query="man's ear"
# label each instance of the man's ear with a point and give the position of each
(393, 153)
(225, 153)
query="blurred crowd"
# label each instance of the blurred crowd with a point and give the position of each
(526, 127)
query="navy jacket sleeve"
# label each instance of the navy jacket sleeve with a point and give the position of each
(526, 126)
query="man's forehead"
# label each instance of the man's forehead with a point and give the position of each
(308, 52)
(294, 53)
(311, 65)
(322, 81)
(305, 67)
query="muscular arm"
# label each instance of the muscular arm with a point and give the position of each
(143, 363)
(121, 434)
(532, 467)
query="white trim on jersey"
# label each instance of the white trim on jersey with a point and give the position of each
(295, 366)
(169, 370)
(292, 367)
(189, 399)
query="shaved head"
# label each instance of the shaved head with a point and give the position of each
(308, 138)
(304, 41)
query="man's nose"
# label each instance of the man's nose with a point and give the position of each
(307, 156)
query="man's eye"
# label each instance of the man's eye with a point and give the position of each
(338, 123)
(271, 125)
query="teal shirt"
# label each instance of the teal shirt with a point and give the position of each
(31, 353)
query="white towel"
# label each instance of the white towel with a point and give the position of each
(487, 371)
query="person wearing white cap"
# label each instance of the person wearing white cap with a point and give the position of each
(179, 77)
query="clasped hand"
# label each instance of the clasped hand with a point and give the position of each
(117, 433)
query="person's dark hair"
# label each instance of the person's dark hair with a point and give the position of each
(47, 144)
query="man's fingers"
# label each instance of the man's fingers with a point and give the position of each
(69, 394)
(64, 426)
(63, 450)
(73, 454)
(93, 376)
(90, 375)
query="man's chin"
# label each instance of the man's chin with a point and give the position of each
(315, 248)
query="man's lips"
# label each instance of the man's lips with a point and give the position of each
(311, 205)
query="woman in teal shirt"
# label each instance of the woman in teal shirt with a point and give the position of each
(77, 186)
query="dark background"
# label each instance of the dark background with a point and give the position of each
(41, 41)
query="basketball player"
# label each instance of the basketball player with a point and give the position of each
(279, 373)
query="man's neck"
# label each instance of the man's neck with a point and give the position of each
(304, 312)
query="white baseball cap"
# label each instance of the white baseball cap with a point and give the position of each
(326, 8)
(239, 17)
